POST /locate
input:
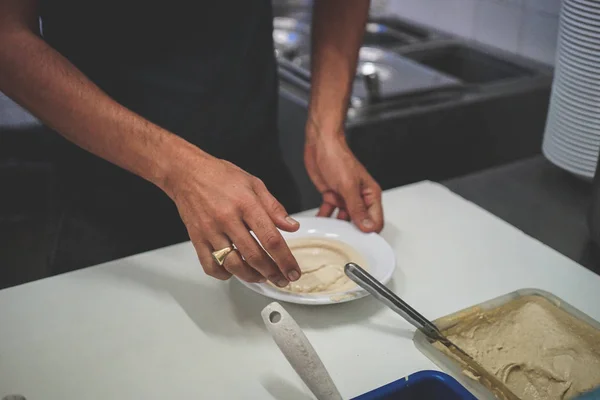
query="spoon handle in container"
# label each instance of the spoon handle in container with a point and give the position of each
(299, 352)
(365, 280)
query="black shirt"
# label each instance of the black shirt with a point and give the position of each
(204, 70)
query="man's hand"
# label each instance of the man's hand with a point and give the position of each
(337, 32)
(219, 203)
(343, 181)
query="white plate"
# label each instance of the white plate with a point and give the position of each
(570, 153)
(578, 30)
(575, 39)
(580, 137)
(576, 67)
(553, 154)
(575, 133)
(559, 152)
(571, 96)
(586, 85)
(578, 52)
(586, 137)
(577, 107)
(378, 254)
(568, 55)
(590, 6)
(573, 151)
(579, 27)
(566, 66)
(585, 126)
(573, 18)
(588, 9)
(572, 92)
(579, 35)
(571, 8)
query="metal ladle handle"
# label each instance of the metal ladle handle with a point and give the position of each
(363, 279)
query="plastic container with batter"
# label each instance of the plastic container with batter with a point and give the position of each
(450, 366)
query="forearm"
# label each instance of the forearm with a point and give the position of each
(337, 33)
(55, 91)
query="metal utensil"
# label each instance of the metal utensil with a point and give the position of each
(299, 352)
(370, 76)
(363, 279)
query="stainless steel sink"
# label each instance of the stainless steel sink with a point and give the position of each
(381, 76)
(378, 34)
(291, 34)
(469, 65)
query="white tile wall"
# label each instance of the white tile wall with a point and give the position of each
(498, 23)
(456, 16)
(547, 6)
(525, 27)
(421, 11)
(538, 37)
(516, 3)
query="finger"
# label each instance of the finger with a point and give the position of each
(356, 207)
(343, 215)
(326, 210)
(273, 242)
(331, 201)
(274, 208)
(372, 197)
(332, 198)
(210, 267)
(234, 264)
(255, 256)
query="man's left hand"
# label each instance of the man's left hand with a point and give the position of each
(344, 182)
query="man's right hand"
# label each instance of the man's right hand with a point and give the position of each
(219, 203)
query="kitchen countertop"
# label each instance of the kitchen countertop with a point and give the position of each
(153, 326)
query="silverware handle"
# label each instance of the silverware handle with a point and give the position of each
(366, 281)
(372, 86)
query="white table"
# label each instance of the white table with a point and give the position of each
(153, 326)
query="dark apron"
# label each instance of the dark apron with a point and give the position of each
(205, 72)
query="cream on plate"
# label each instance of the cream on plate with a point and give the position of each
(322, 264)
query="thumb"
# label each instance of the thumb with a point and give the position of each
(357, 208)
(275, 209)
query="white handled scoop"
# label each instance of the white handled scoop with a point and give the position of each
(299, 352)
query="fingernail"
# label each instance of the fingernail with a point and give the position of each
(291, 220)
(282, 283)
(294, 276)
(367, 223)
(262, 280)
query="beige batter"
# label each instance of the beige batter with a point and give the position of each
(538, 350)
(322, 264)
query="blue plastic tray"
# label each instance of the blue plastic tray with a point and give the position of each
(422, 385)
